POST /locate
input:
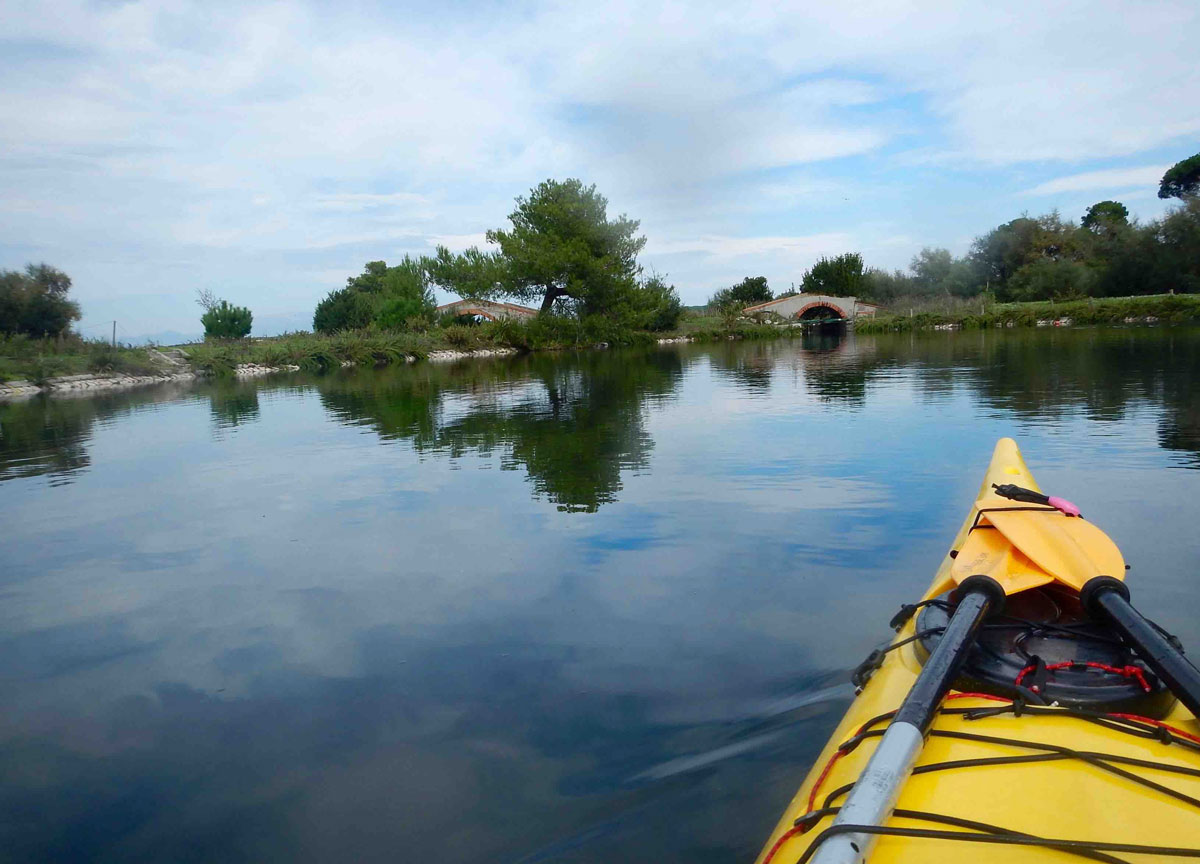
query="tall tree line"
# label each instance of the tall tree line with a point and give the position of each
(1105, 254)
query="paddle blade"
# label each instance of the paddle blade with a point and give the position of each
(1068, 549)
(990, 553)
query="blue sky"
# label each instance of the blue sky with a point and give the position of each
(266, 151)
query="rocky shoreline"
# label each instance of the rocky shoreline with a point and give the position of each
(445, 356)
(78, 385)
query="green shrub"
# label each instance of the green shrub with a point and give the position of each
(344, 309)
(215, 358)
(656, 306)
(403, 313)
(320, 357)
(35, 302)
(460, 336)
(69, 354)
(44, 368)
(1047, 278)
(223, 321)
(391, 298)
(103, 360)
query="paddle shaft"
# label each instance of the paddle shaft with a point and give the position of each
(1108, 599)
(874, 794)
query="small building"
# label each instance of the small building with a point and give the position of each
(815, 307)
(489, 309)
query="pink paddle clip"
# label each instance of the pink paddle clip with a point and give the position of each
(1063, 504)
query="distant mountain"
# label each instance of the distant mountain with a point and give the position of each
(164, 337)
(274, 325)
(265, 325)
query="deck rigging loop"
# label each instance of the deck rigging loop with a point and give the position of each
(1113, 764)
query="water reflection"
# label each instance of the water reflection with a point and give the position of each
(751, 365)
(51, 436)
(839, 366)
(1036, 376)
(1039, 375)
(234, 403)
(41, 436)
(306, 619)
(832, 363)
(573, 424)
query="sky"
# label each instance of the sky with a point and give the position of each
(266, 151)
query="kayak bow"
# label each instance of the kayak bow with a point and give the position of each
(1027, 709)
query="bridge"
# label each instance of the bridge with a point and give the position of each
(815, 307)
(489, 309)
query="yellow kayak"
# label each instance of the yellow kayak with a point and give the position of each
(1057, 735)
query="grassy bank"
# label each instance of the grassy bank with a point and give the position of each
(310, 352)
(318, 353)
(971, 314)
(36, 360)
(714, 328)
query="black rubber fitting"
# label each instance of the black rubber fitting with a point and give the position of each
(983, 584)
(1094, 587)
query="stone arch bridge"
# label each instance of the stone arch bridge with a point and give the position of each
(816, 307)
(489, 309)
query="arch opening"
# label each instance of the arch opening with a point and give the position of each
(821, 312)
(476, 313)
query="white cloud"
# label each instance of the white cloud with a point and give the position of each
(291, 139)
(701, 264)
(733, 247)
(458, 242)
(356, 201)
(1110, 180)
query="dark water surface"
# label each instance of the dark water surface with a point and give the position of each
(594, 607)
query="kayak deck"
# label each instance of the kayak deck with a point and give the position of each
(1050, 772)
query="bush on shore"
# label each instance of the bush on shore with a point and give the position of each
(389, 298)
(225, 321)
(36, 302)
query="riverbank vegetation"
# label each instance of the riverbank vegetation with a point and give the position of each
(564, 253)
(26, 358)
(35, 302)
(1049, 257)
(380, 298)
(318, 352)
(223, 320)
(36, 314)
(37, 360)
(968, 314)
(561, 251)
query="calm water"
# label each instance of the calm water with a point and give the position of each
(590, 607)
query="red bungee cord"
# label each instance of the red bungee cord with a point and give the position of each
(1123, 671)
(796, 830)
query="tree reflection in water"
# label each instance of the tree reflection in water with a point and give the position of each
(233, 403)
(573, 423)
